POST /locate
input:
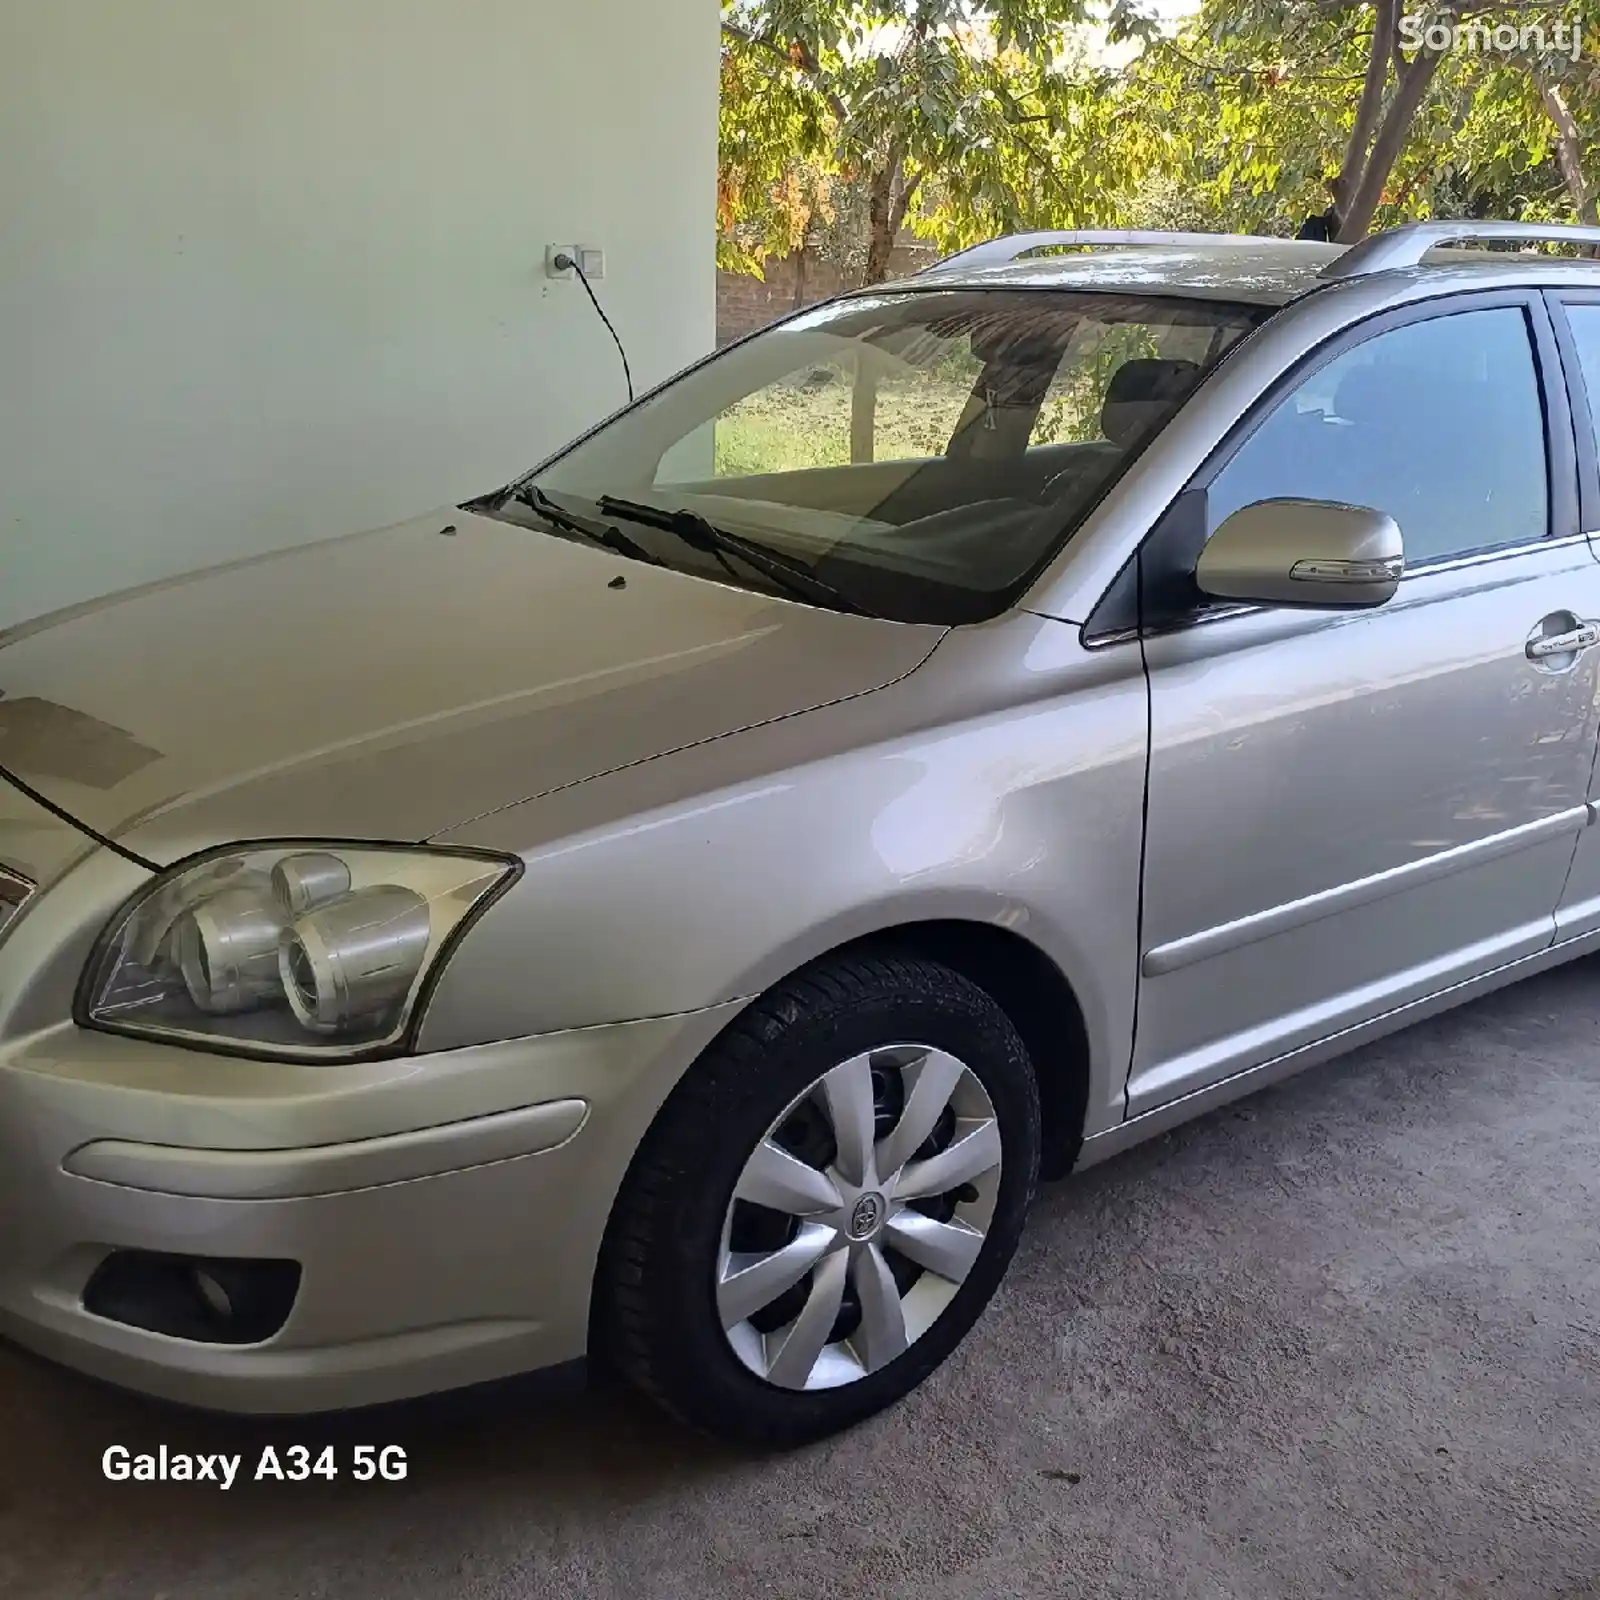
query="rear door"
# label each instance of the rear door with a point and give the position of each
(1351, 810)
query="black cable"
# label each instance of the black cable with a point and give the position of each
(564, 260)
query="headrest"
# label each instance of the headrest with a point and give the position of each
(1142, 394)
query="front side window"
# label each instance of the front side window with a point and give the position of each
(919, 454)
(1438, 423)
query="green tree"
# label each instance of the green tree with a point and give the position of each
(980, 114)
(971, 118)
(1276, 109)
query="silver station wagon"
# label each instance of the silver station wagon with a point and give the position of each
(674, 909)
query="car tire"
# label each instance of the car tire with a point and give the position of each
(784, 1083)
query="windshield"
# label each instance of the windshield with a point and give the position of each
(919, 454)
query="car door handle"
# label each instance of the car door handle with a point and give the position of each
(1564, 644)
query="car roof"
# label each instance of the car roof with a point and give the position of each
(1264, 271)
(1256, 271)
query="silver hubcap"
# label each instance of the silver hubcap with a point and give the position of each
(857, 1217)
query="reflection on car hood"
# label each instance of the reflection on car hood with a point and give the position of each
(397, 683)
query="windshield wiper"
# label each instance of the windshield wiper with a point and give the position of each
(699, 533)
(602, 533)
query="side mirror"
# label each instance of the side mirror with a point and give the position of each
(1304, 553)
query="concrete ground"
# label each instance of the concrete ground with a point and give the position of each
(1343, 1339)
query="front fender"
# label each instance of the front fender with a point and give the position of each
(711, 874)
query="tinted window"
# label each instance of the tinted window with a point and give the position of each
(1438, 423)
(1585, 322)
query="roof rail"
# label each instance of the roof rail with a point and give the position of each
(1406, 246)
(999, 252)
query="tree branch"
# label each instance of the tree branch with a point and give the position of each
(1569, 155)
(1390, 140)
(1047, 169)
(1385, 37)
(807, 65)
(1259, 70)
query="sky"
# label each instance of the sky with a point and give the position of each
(1168, 12)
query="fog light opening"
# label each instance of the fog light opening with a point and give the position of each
(204, 1300)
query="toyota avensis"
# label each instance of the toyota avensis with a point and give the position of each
(675, 907)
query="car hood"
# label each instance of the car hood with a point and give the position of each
(397, 683)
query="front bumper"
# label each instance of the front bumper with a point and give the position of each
(446, 1210)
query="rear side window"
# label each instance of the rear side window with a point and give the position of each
(1585, 321)
(1438, 423)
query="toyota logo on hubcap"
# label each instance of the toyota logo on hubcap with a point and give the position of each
(865, 1216)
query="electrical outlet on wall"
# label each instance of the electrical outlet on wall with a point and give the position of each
(551, 252)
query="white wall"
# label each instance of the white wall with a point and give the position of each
(274, 269)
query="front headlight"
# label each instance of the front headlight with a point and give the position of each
(301, 950)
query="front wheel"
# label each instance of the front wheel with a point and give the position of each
(825, 1204)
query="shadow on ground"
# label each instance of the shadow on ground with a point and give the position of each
(1341, 1339)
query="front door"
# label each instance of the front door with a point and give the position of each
(1350, 810)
